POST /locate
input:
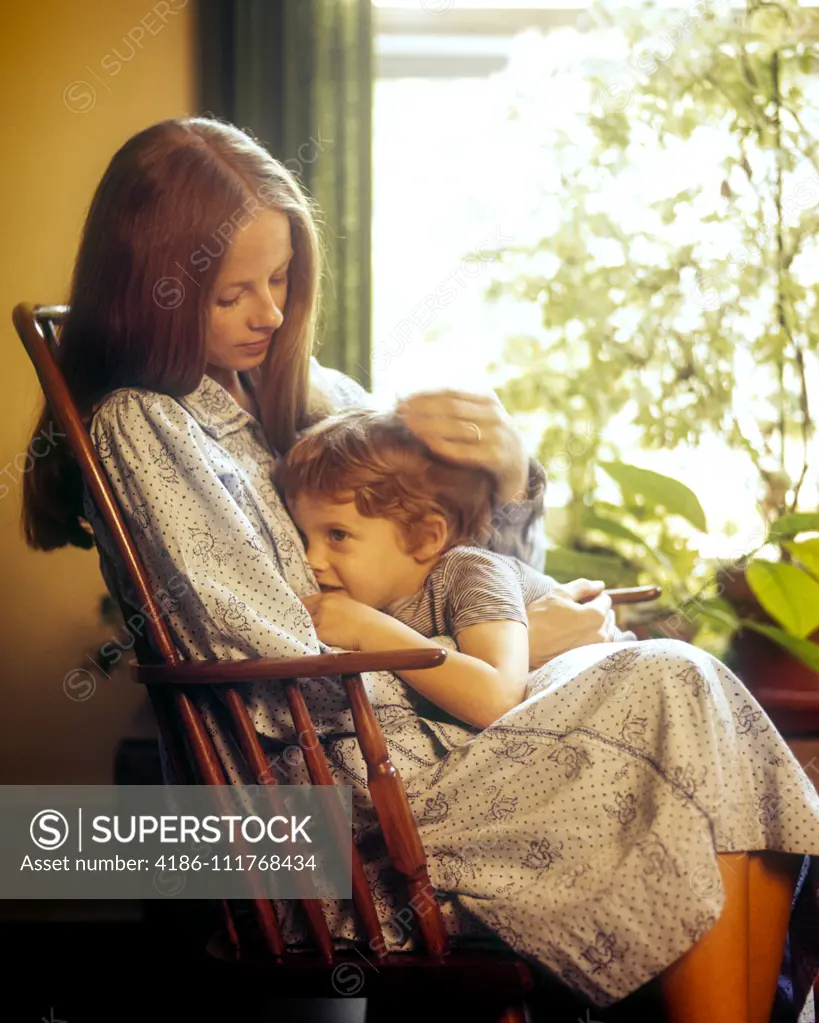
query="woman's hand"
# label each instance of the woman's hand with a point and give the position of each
(338, 619)
(470, 429)
(557, 622)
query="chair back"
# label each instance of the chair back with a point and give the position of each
(38, 328)
(169, 678)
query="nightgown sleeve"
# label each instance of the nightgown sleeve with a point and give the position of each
(228, 599)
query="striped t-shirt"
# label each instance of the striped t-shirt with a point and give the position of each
(470, 585)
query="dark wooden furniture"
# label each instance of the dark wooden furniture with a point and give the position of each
(498, 977)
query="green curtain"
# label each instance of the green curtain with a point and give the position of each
(298, 74)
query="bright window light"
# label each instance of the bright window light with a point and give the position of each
(455, 175)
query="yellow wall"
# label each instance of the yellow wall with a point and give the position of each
(76, 80)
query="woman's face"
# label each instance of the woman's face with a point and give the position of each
(250, 293)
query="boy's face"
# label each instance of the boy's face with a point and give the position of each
(363, 557)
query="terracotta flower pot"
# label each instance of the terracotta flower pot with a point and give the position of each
(786, 688)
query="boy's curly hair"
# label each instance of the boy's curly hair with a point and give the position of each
(373, 459)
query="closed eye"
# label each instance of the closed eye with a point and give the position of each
(278, 281)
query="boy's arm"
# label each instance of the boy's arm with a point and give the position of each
(477, 685)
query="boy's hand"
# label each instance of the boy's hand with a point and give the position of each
(338, 619)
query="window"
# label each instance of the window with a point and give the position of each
(456, 176)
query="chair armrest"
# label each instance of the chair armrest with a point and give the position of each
(261, 669)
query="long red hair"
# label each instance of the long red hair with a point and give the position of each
(151, 248)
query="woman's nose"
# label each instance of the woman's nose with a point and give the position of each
(267, 315)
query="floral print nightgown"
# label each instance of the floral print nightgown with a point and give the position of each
(582, 828)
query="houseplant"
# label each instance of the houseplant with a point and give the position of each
(776, 601)
(692, 313)
(653, 534)
(675, 281)
(650, 535)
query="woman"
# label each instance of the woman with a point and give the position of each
(623, 822)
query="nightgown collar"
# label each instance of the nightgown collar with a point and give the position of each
(215, 409)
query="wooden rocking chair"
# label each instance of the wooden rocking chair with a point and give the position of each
(496, 978)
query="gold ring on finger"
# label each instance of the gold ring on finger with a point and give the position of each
(477, 429)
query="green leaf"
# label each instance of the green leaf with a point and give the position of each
(714, 608)
(787, 593)
(806, 551)
(565, 564)
(803, 649)
(658, 490)
(789, 525)
(590, 520)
